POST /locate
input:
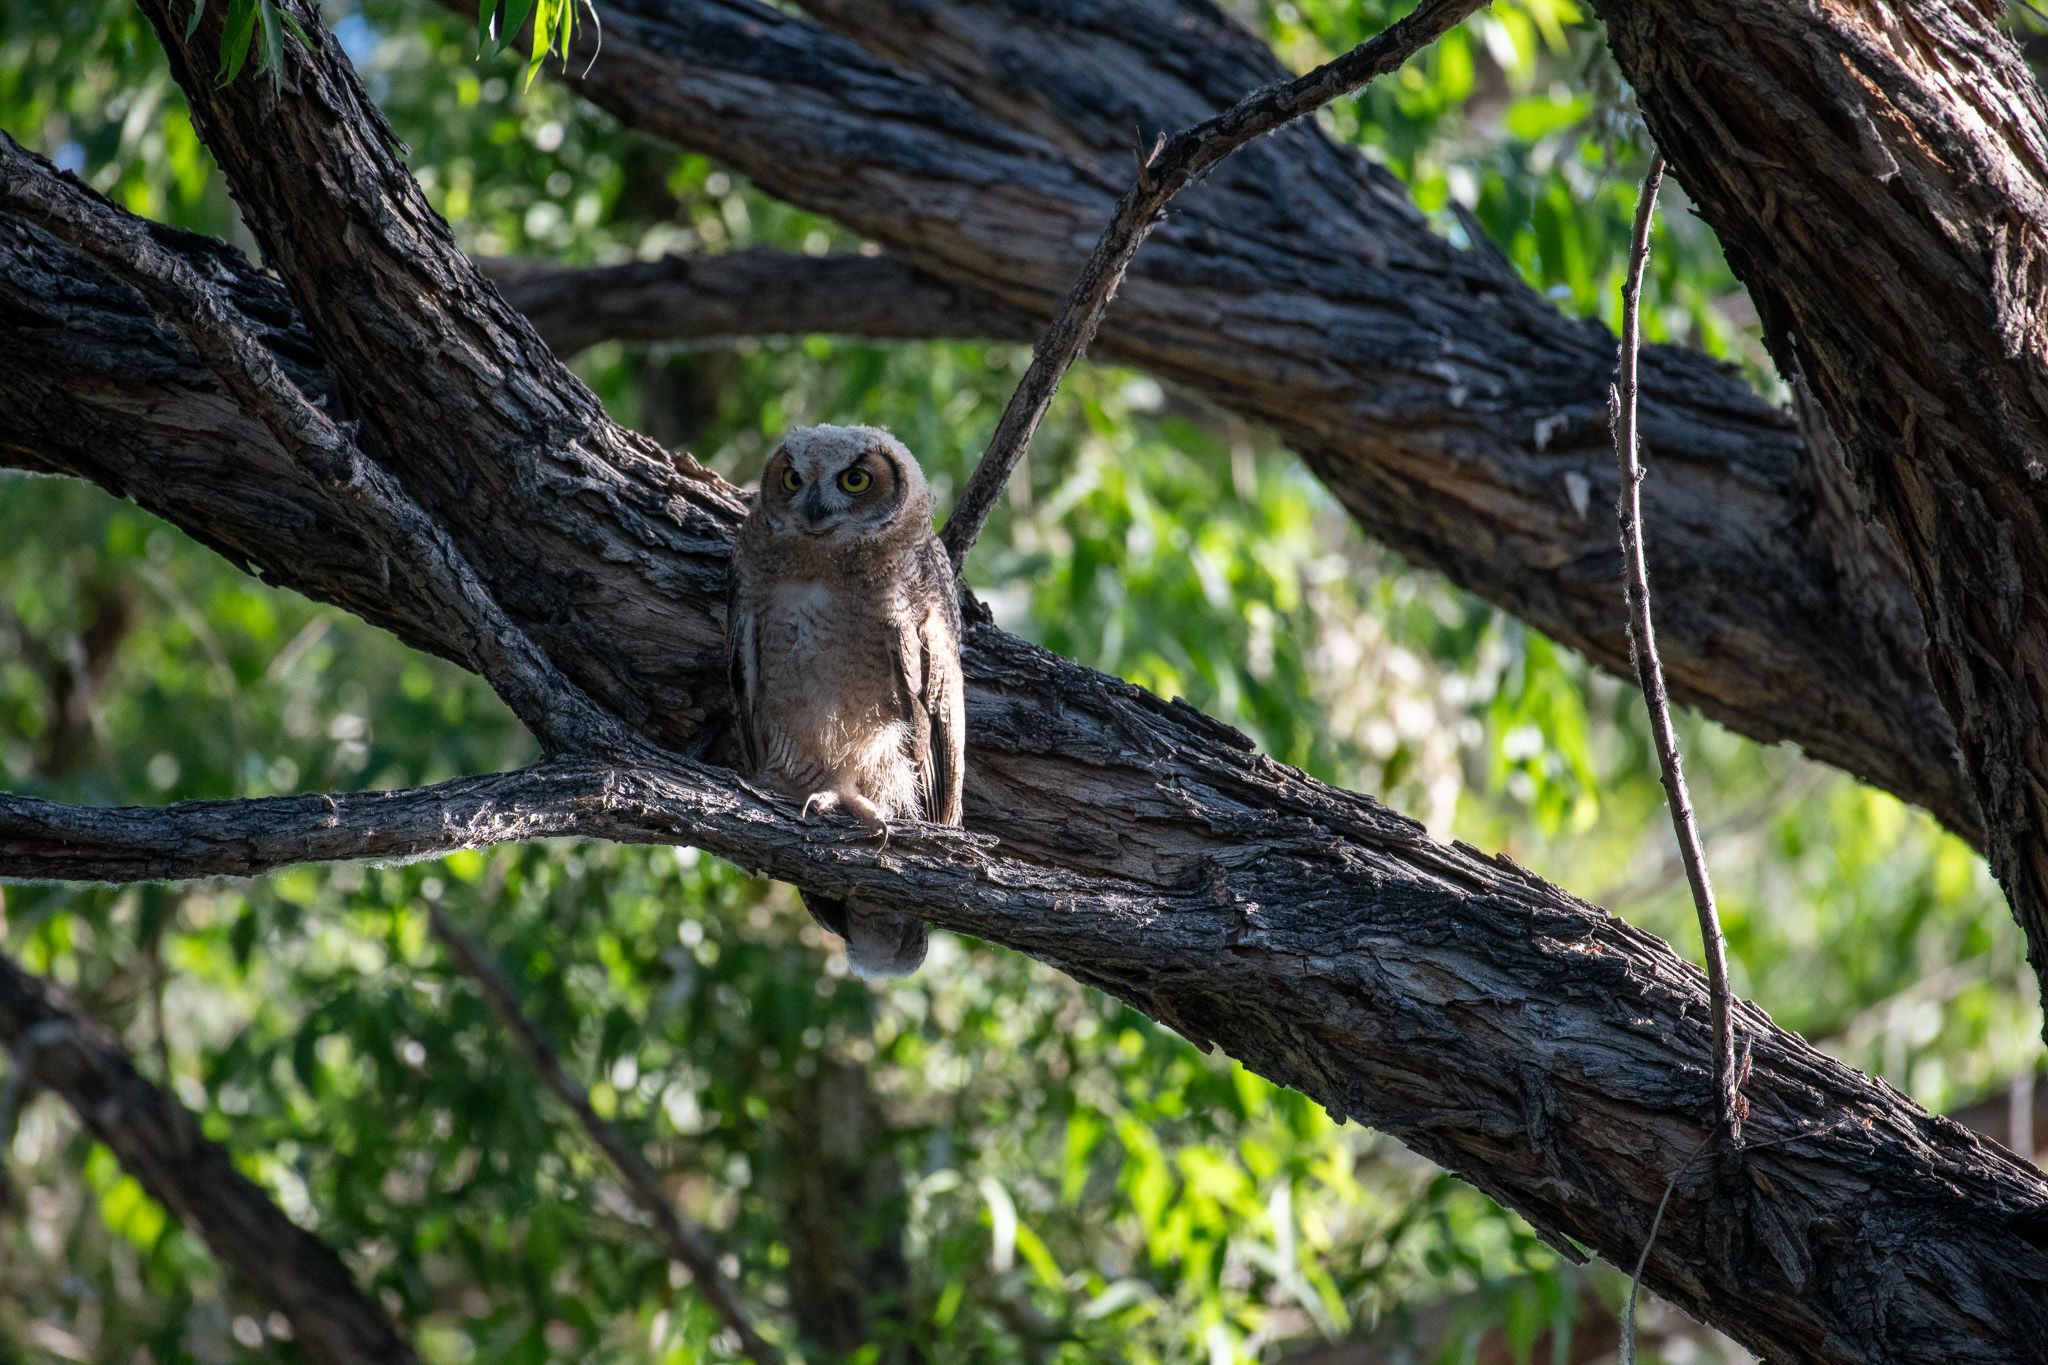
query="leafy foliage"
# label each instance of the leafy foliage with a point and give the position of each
(1016, 1168)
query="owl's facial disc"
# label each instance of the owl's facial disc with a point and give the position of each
(836, 481)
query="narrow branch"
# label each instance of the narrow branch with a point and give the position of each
(689, 1245)
(1172, 165)
(1650, 671)
(560, 715)
(686, 297)
(161, 1145)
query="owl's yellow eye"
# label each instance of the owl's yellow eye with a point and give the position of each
(790, 482)
(856, 480)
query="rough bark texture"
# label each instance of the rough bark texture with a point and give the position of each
(748, 293)
(1542, 1049)
(160, 1144)
(1878, 175)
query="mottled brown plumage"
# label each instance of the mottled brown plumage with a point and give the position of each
(843, 636)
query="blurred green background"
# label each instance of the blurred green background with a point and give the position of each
(985, 1161)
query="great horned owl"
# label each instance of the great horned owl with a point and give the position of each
(843, 637)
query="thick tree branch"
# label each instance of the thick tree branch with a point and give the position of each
(160, 1144)
(1878, 175)
(92, 378)
(687, 1244)
(1546, 1051)
(749, 293)
(1162, 173)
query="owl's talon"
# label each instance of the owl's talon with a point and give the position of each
(868, 816)
(824, 803)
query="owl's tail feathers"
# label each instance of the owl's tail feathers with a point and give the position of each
(878, 942)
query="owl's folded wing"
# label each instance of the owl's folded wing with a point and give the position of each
(928, 674)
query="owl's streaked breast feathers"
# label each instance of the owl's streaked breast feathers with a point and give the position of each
(843, 641)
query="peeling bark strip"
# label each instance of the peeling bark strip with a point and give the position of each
(1878, 175)
(160, 1144)
(1551, 1054)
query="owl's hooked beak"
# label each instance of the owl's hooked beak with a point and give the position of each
(814, 509)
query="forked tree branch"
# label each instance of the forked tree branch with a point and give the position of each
(161, 1145)
(688, 1245)
(97, 389)
(1164, 172)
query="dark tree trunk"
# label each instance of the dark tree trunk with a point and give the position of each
(1878, 175)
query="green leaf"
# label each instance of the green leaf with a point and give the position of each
(298, 30)
(237, 37)
(516, 14)
(538, 48)
(198, 13)
(273, 42)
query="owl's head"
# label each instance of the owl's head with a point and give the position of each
(847, 483)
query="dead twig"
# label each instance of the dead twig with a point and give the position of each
(1635, 1279)
(1650, 672)
(1173, 164)
(687, 1243)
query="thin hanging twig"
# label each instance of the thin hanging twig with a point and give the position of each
(687, 1243)
(1173, 164)
(1650, 672)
